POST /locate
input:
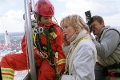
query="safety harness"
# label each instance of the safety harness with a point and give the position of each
(51, 54)
(116, 65)
(50, 35)
(106, 71)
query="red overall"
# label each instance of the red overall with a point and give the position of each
(45, 71)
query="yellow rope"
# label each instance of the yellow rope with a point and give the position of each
(84, 37)
(69, 57)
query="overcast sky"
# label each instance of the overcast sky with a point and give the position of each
(11, 12)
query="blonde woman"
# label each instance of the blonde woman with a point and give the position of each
(79, 49)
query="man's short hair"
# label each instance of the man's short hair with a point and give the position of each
(98, 19)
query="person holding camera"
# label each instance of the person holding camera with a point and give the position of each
(107, 41)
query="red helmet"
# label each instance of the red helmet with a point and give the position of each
(44, 8)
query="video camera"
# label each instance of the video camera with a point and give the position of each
(88, 19)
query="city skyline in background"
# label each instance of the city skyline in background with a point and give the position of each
(11, 12)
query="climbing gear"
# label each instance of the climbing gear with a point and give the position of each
(106, 71)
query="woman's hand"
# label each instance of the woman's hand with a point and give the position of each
(66, 43)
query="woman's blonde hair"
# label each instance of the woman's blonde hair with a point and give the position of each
(74, 21)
